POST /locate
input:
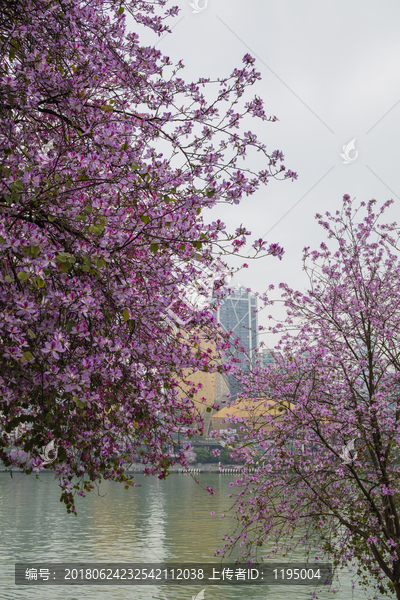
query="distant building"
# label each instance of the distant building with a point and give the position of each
(253, 410)
(214, 391)
(266, 355)
(238, 314)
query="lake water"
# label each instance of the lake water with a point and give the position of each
(160, 521)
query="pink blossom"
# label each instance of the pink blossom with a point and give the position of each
(102, 232)
(53, 348)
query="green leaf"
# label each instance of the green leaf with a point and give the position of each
(198, 211)
(208, 409)
(210, 193)
(18, 184)
(198, 245)
(135, 166)
(51, 218)
(100, 263)
(22, 276)
(121, 10)
(70, 325)
(145, 219)
(78, 402)
(106, 108)
(87, 263)
(154, 248)
(126, 314)
(31, 334)
(28, 355)
(8, 278)
(65, 266)
(57, 177)
(35, 251)
(39, 281)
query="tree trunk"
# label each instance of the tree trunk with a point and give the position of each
(397, 588)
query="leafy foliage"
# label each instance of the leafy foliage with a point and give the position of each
(206, 456)
(329, 470)
(107, 163)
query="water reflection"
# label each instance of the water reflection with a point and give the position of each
(159, 521)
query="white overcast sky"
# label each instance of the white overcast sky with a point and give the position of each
(330, 73)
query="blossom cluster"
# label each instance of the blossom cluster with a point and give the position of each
(323, 424)
(108, 164)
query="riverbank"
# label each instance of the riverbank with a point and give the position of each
(194, 468)
(198, 468)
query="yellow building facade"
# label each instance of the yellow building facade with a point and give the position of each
(253, 410)
(215, 387)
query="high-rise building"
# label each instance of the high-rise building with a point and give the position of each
(238, 314)
(267, 357)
